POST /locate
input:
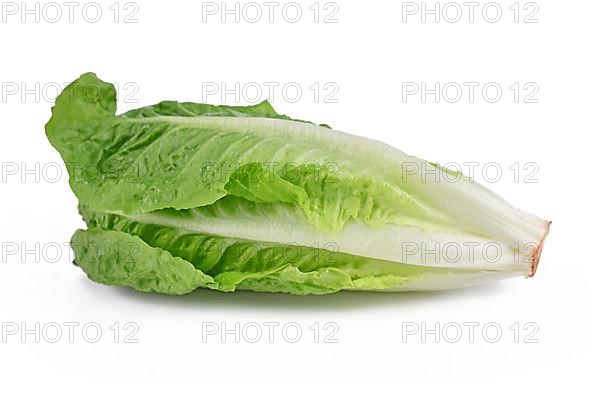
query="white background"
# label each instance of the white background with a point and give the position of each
(368, 54)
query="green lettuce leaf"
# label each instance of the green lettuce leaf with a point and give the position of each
(236, 263)
(184, 156)
(117, 258)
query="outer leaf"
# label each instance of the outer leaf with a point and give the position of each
(117, 258)
(138, 163)
(237, 263)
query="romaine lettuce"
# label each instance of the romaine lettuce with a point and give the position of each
(178, 196)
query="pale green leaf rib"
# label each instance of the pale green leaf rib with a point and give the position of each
(280, 223)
